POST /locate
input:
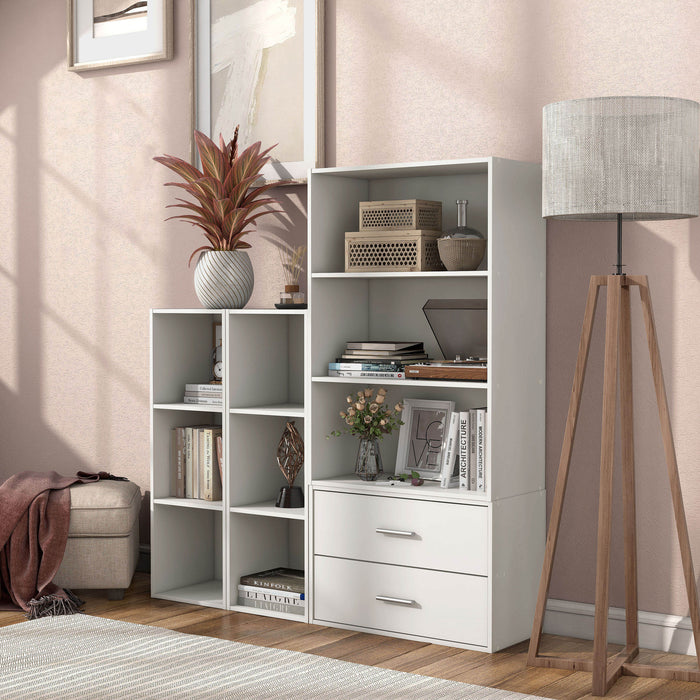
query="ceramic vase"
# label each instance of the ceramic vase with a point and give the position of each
(223, 279)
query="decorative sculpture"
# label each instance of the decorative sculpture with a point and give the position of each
(290, 458)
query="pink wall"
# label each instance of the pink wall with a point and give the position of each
(84, 251)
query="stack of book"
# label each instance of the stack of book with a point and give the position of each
(196, 462)
(464, 462)
(280, 590)
(206, 394)
(375, 358)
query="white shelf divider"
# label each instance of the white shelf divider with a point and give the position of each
(189, 503)
(270, 510)
(201, 408)
(402, 382)
(293, 410)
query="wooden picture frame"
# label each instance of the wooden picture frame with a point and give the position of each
(108, 33)
(423, 437)
(264, 73)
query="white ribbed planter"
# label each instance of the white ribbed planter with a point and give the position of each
(223, 279)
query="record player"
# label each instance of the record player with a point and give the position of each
(460, 329)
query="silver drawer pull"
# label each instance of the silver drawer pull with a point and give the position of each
(400, 601)
(400, 533)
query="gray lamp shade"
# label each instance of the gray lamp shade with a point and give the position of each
(635, 156)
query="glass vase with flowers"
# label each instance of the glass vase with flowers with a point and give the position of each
(370, 418)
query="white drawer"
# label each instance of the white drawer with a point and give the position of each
(444, 607)
(427, 534)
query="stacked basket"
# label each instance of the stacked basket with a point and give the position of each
(398, 235)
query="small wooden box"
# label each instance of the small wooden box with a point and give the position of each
(401, 215)
(398, 251)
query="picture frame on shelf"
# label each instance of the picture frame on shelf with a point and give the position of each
(259, 65)
(108, 33)
(423, 437)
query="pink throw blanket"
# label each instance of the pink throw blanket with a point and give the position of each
(34, 519)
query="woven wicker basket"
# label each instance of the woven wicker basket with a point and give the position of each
(401, 215)
(461, 253)
(407, 251)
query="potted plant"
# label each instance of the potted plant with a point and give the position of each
(226, 203)
(370, 419)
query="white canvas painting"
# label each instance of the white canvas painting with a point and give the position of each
(257, 73)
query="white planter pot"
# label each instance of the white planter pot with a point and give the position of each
(223, 279)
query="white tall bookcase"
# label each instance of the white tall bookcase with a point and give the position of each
(443, 565)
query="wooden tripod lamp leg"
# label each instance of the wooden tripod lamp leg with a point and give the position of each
(671, 463)
(629, 509)
(607, 456)
(564, 461)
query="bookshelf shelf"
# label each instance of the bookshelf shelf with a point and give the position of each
(402, 382)
(199, 408)
(189, 503)
(270, 510)
(349, 483)
(268, 613)
(207, 593)
(292, 410)
(401, 275)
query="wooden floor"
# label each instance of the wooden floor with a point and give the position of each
(506, 669)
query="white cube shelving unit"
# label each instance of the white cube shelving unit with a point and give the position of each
(200, 549)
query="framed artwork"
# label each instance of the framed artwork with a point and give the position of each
(258, 65)
(106, 33)
(423, 437)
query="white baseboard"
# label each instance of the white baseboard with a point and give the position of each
(671, 633)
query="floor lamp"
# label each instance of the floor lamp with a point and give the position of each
(616, 158)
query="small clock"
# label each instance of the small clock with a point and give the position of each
(217, 363)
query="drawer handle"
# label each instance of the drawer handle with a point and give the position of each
(400, 533)
(390, 599)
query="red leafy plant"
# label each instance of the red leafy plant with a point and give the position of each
(224, 192)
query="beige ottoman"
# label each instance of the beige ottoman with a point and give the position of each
(103, 537)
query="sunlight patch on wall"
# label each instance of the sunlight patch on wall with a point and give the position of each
(8, 247)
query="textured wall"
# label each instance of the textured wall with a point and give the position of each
(84, 251)
(428, 79)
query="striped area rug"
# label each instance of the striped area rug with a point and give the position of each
(80, 656)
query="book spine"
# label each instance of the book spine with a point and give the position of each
(220, 457)
(284, 588)
(289, 595)
(205, 452)
(472, 449)
(360, 373)
(274, 607)
(363, 366)
(464, 449)
(396, 365)
(449, 460)
(205, 394)
(179, 462)
(208, 388)
(203, 400)
(196, 489)
(481, 450)
(388, 347)
(211, 477)
(189, 482)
